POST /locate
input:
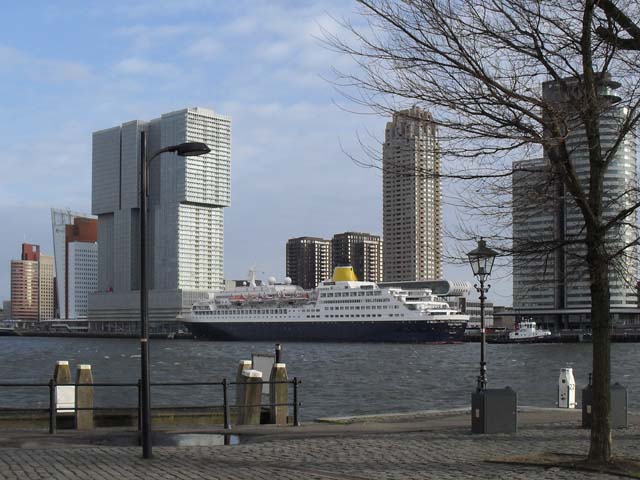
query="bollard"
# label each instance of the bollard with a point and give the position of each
(62, 373)
(278, 394)
(84, 398)
(242, 366)
(249, 413)
(566, 389)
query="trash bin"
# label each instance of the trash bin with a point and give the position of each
(618, 406)
(494, 410)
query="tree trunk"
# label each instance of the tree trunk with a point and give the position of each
(600, 450)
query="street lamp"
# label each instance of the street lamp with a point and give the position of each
(481, 260)
(188, 149)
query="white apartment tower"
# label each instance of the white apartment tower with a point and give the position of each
(186, 226)
(411, 212)
(82, 278)
(554, 287)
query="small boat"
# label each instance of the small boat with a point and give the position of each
(6, 331)
(528, 332)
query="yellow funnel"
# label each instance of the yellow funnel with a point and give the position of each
(344, 274)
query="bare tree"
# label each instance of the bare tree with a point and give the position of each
(479, 67)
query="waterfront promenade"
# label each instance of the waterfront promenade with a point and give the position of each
(417, 446)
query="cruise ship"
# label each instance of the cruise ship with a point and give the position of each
(341, 309)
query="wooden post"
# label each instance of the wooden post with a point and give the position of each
(278, 394)
(84, 396)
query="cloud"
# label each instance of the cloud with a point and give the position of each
(140, 66)
(144, 37)
(275, 50)
(204, 49)
(46, 70)
(241, 25)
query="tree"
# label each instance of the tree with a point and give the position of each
(478, 67)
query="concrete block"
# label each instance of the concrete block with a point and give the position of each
(84, 396)
(278, 394)
(249, 414)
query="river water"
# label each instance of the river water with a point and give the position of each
(338, 379)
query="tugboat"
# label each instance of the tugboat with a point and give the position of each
(528, 332)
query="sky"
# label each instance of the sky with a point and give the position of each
(70, 68)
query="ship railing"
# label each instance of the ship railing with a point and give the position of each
(54, 408)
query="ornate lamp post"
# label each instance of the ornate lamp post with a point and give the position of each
(188, 149)
(481, 260)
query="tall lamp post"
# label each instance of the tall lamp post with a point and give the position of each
(188, 149)
(481, 260)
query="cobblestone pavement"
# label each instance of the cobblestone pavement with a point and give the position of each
(451, 453)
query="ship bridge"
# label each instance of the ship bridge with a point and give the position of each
(441, 288)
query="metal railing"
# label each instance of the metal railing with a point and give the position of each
(54, 408)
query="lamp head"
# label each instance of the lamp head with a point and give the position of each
(481, 260)
(192, 149)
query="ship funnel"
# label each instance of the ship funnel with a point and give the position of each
(344, 274)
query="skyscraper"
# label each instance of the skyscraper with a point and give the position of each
(186, 227)
(308, 261)
(411, 212)
(75, 250)
(32, 285)
(553, 287)
(362, 251)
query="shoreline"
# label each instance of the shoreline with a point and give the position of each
(491, 339)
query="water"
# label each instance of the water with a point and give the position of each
(338, 379)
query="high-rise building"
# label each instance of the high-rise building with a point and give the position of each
(70, 230)
(32, 285)
(362, 251)
(552, 285)
(308, 261)
(412, 212)
(185, 229)
(82, 277)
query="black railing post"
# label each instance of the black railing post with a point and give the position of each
(75, 406)
(225, 401)
(52, 406)
(139, 404)
(296, 415)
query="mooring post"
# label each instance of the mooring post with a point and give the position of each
(225, 402)
(251, 406)
(296, 414)
(84, 398)
(242, 366)
(278, 394)
(52, 406)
